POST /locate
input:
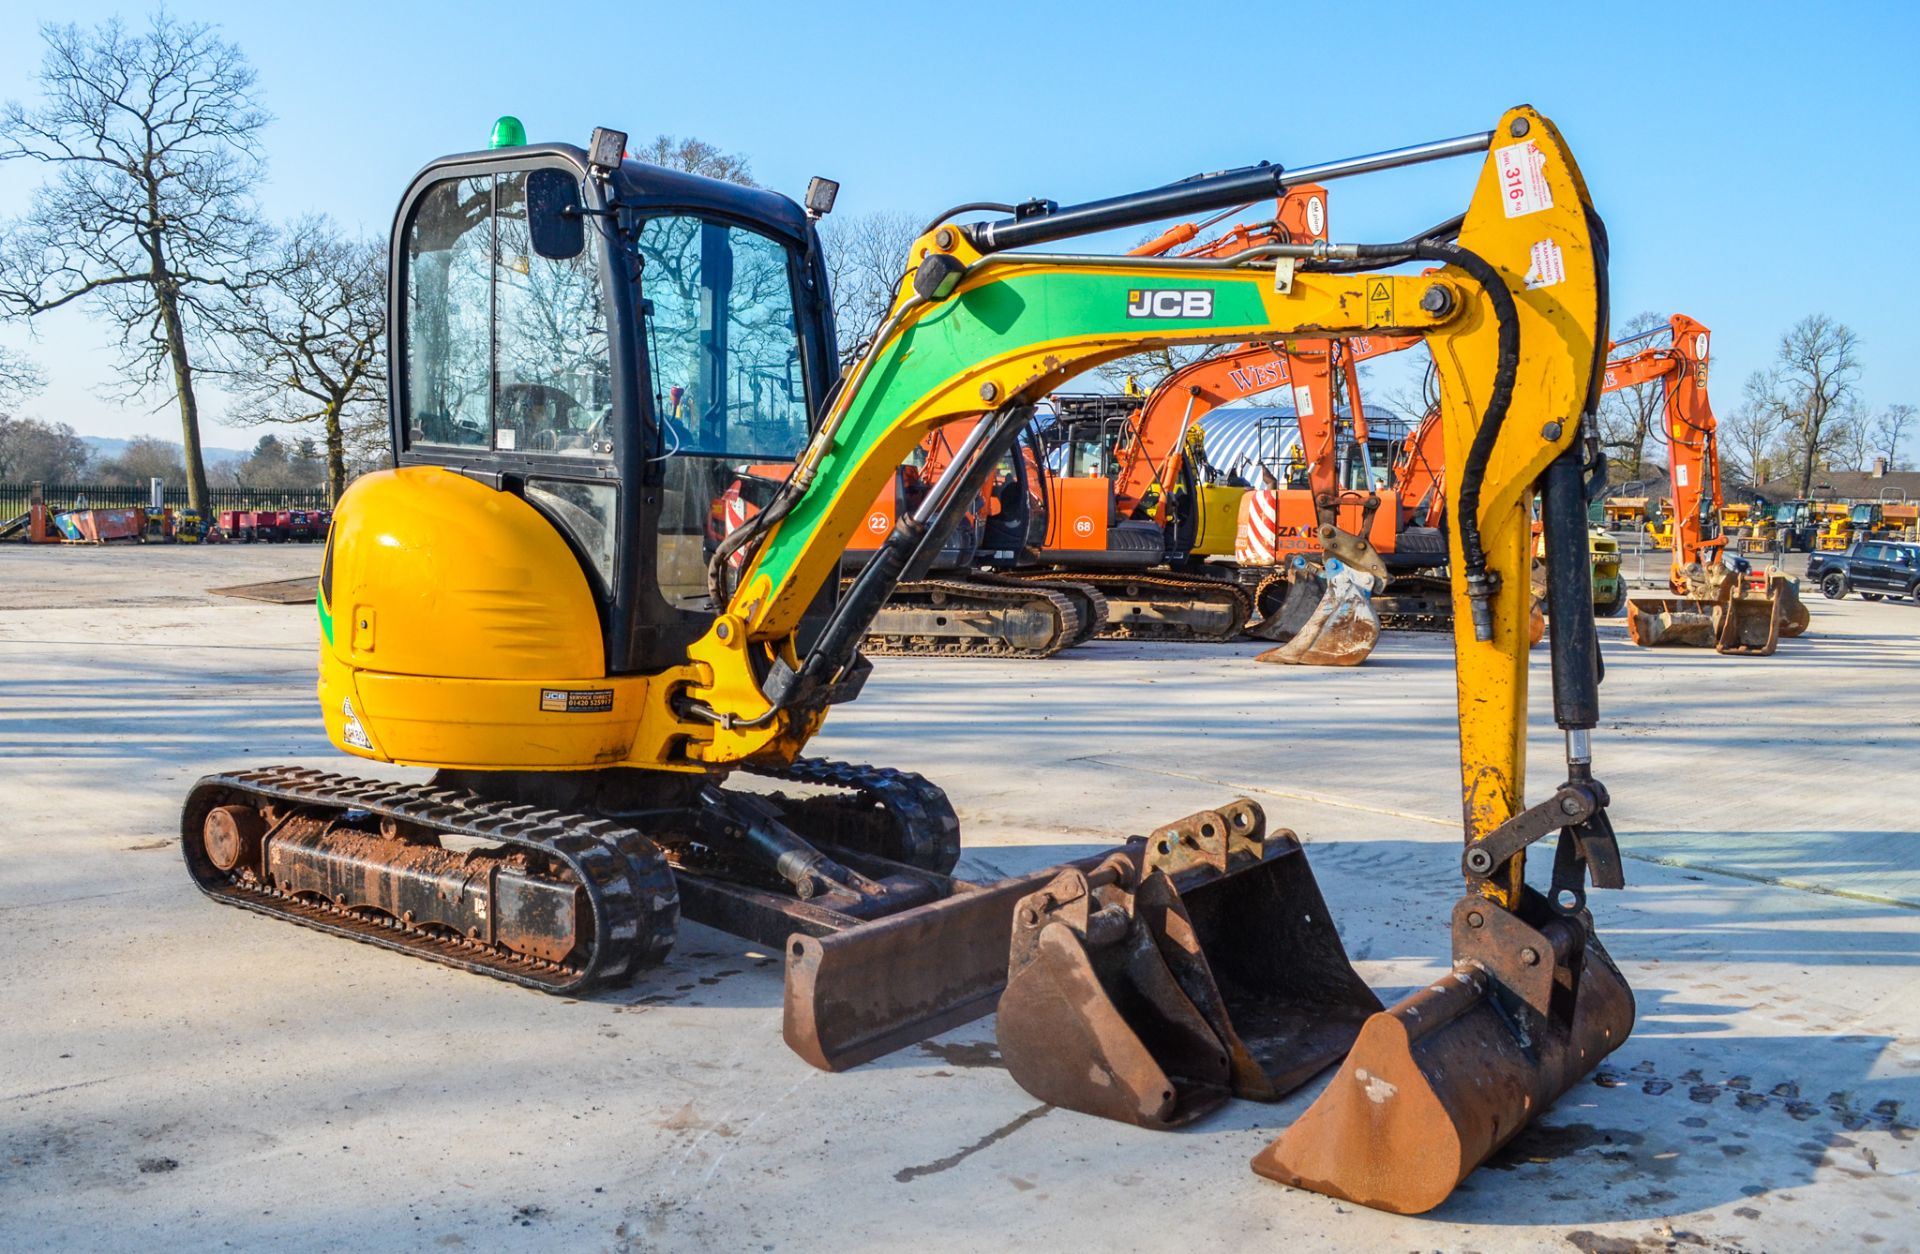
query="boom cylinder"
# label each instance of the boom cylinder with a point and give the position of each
(1202, 194)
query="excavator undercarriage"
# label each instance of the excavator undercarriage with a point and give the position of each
(565, 884)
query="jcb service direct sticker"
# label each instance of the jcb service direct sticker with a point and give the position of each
(576, 700)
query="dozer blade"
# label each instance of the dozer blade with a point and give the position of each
(1149, 992)
(1340, 630)
(1444, 1078)
(856, 994)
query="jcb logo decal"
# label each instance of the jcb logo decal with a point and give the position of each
(1170, 303)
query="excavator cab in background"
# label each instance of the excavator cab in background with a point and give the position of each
(589, 352)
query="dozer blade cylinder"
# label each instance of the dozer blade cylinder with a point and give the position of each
(1441, 1080)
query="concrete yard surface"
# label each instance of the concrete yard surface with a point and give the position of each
(179, 1075)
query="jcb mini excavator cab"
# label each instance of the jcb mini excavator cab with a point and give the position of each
(587, 354)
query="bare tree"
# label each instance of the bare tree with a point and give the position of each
(1809, 386)
(1890, 430)
(147, 457)
(31, 449)
(19, 379)
(276, 463)
(1752, 431)
(46, 451)
(152, 143)
(1849, 441)
(309, 347)
(1631, 415)
(866, 256)
(696, 156)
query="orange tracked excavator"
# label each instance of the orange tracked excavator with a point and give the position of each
(1712, 604)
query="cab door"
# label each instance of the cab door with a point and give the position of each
(1903, 566)
(1868, 570)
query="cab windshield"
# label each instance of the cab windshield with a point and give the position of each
(720, 339)
(729, 390)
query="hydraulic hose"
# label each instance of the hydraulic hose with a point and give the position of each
(1506, 317)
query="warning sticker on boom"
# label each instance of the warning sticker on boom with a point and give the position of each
(1380, 302)
(1523, 179)
(576, 700)
(1547, 265)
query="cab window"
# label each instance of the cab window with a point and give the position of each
(506, 350)
(721, 341)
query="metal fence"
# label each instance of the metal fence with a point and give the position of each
(59, 496)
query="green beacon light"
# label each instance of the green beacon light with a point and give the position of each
(508, 133)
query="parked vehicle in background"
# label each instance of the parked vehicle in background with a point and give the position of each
(1873, 568)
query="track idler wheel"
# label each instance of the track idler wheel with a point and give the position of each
(1137, 1000)
(1441, 1080)
(1327, 618)
(231, 835)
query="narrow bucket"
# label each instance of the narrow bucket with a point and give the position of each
(1749, 625)
(1285, 602)
(1794, 617)
(1341, 630)
(1441, 1080)
(1133, 999)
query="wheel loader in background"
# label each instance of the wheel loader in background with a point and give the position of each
(1714, 604)
(525, 604)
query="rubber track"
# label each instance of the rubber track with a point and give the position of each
(924, 830)
(630, 892)
(1216, 590)
(1067, 619)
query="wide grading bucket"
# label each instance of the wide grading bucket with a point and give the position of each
(1150, 990)
(1438, 1082)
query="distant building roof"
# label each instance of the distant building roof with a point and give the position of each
(1847, 485)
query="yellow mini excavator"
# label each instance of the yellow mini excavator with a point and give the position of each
(543, 603)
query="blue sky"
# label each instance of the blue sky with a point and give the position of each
(1754, 162)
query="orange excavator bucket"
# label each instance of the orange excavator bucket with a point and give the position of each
(1133, 999)
(1442, 1079)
